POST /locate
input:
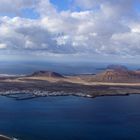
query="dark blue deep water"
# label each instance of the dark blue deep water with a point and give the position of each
(71, 118)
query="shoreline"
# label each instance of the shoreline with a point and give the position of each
(24, 96)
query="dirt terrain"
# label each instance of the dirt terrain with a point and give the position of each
(44, 83)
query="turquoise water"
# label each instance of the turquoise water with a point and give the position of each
(71, 118)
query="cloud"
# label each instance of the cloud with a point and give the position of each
(15, 6)
(3, 46)
(108, 27)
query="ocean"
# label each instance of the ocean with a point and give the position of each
(66, 68)
(71, 118)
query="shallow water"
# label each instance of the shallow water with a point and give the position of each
(71, 118)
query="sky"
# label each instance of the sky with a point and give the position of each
(86, 30)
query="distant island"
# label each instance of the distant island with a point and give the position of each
(114, 80)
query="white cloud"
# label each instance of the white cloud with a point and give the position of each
(101, 27)
(15, 6)
(3, 46)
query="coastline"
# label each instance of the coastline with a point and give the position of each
(27, 95)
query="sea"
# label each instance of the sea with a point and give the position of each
(65, 68)
(68, 117)
(71, 118)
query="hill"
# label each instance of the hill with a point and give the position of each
(46, 74)
(117, 75)
(117, 67)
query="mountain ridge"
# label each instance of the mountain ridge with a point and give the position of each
(44, 73)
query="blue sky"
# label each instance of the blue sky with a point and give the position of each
(62, 4)
(66, 29)
(29, 13)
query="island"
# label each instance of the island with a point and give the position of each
(114, 80)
